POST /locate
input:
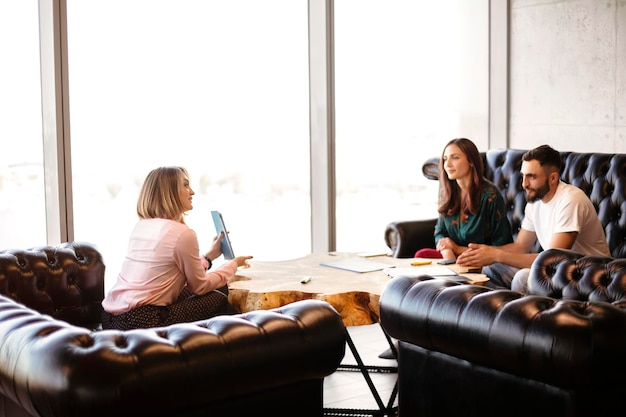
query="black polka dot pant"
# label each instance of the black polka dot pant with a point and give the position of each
(189, 307)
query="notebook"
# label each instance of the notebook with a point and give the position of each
(357, 264)
(226, 246)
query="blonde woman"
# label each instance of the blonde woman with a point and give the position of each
(164, 279)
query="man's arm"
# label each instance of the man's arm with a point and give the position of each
(564, 240)
(524, 242)
(514, 254)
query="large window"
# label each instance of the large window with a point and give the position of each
(223, 89)
(220, 87)
(22, 199)
(410, 76)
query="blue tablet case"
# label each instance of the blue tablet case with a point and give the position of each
(226, 247)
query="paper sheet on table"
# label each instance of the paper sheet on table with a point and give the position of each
(357, 265)
(416, 271)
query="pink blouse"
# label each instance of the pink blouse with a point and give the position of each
(163, 256)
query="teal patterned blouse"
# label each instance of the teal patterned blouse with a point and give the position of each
(489, 226)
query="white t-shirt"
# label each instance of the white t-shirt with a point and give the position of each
(570, 210)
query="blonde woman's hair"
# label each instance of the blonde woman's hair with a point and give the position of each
(159, 197)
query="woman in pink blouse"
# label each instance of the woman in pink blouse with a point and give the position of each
(164, 279)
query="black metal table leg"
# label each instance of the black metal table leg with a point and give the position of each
(383, 410)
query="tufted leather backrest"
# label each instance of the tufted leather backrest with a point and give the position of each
(65, 281)
(601, 176)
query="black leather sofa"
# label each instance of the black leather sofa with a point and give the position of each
(473, 351)
(55, 362)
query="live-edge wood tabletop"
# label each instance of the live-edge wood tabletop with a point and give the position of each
(270, 284)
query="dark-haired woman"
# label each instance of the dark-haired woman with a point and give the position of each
(471, 208)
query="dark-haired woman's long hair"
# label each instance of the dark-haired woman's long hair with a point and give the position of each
(449, 192)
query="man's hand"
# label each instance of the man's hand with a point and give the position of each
(478, 255)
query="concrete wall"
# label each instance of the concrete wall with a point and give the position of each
(568, 74)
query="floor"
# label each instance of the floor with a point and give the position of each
(348, 389)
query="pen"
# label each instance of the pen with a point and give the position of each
(305, 280)
(418, 263)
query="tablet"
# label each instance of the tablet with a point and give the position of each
(226, 247)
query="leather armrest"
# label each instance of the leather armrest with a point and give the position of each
(430, 169)
(404, 238)
(65, 281)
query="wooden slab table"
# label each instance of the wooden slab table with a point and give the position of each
(271, 284)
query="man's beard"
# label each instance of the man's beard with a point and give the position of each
(538, 194)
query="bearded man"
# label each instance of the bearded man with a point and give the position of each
(557, 214)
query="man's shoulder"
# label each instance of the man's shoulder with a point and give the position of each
(571, 191)
(569, 187)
